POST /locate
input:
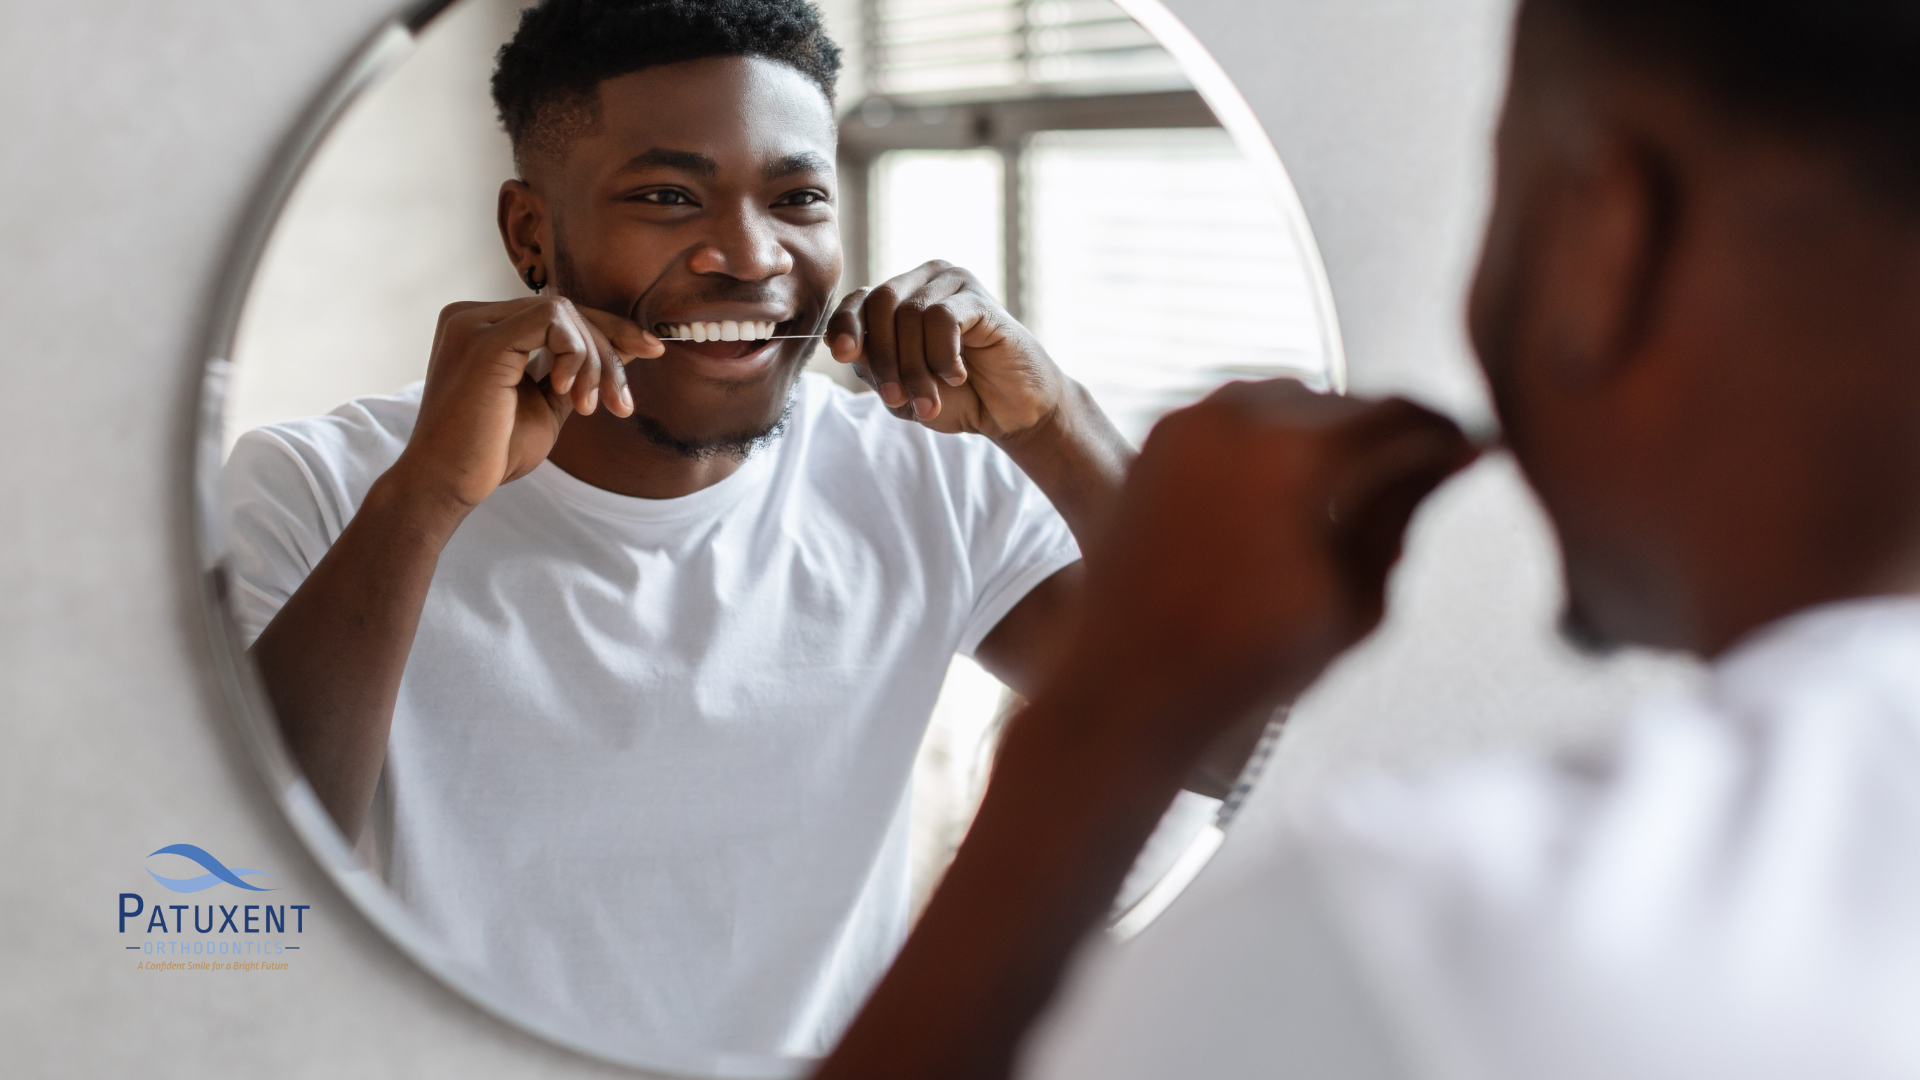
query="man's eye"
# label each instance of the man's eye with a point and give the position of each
(665, 197)
(803, 198)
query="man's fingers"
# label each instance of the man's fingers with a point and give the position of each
(570, 348)
(910, 344)
(1374, 498)
(928, 328)
(941, 332)
(542, 324)
(585, 386)
(845, 336)
(611, 386)
(880, 345)
(894, 353)
(629, 339)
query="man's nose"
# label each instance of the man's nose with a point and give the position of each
(745, 246)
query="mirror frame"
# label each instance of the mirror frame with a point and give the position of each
(383, 50)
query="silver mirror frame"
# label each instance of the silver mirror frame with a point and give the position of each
(390, 44)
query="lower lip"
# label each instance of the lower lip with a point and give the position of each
(752, 365)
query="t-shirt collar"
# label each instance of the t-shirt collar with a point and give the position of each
(706, 502)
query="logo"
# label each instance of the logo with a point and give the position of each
(216, 872)
(241, 936)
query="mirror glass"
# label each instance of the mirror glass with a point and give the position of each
(667, 779)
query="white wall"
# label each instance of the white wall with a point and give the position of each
(136, 131)
(393, 219)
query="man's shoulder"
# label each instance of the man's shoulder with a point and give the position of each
(349, 446)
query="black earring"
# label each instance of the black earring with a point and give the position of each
(536, 286)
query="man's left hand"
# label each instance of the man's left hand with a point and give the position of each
(941, 350)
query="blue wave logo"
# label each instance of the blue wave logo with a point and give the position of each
(216, 872)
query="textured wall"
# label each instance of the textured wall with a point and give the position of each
(136, 132)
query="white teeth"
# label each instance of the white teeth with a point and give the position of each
(728, 330)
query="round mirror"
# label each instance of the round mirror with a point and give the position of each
(650, 718)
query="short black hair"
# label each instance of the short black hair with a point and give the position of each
(544, 80)
(1844, 70)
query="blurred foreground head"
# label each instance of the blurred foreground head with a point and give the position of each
(1699, 305)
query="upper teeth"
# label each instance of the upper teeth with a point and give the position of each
(728, 330)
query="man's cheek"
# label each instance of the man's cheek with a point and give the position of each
(820, 261)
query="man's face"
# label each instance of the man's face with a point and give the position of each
(705, 194)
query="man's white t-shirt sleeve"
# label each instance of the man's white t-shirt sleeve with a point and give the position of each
(287, 492)
(277, 530)
(1017, 541)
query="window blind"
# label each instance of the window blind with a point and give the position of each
(1010, 48)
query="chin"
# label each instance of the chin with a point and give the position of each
(705, 418)
(1629, 607)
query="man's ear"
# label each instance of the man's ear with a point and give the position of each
(526, 229)
(1606, 244)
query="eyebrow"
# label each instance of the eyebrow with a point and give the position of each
(796, 163)
(703, 166)
(681, 160)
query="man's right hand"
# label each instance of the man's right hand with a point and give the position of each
(1251, 547)
(483, 419)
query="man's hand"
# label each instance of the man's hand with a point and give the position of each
(942, 351)
(484, 418)
(1252, 543)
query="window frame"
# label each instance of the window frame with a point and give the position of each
(1005, 126)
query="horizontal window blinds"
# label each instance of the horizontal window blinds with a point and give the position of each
(1160, 267)
(1009, 48)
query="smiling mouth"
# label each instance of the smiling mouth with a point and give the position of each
(729, 330)
(723, 340)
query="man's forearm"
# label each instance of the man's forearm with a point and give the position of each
(1076, 791)
(333, 657)
(1077, 458)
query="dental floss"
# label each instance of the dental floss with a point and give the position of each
(776, 337)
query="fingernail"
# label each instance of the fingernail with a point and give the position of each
(891, 393)
(626, 398)
(923, 408)
(954, 380)
(593, 400)
(845, 344)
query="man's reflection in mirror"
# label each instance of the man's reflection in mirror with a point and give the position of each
(617, 635)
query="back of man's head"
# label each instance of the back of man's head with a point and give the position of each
(1843, 71)
(1699, 307)
(546, 78)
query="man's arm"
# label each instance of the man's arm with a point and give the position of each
(1250, 549)
(333, 656)
(939, 349)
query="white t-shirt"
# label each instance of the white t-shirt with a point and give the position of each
(1731, 890)
(650, 760)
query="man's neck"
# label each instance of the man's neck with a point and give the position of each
(612, 454)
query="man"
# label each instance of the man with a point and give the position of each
(1696, 313)
(626, 661)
